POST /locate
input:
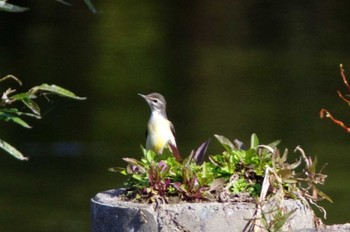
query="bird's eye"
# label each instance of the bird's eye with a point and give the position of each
(155, 100)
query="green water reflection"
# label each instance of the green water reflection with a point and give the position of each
(230, 68)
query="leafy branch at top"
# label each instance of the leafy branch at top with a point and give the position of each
(12, 114)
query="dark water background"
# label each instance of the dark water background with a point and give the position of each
(225, 67)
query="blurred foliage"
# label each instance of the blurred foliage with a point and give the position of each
(12, 114)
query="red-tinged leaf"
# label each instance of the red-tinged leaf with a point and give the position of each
(135, 162)
(200, 152)
(175, 151)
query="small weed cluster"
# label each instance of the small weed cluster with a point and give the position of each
(238, 173)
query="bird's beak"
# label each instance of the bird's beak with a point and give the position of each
(144, 97)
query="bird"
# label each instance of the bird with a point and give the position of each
(160, 131)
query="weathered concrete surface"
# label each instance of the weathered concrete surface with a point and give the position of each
(110, 214)
(335, 228)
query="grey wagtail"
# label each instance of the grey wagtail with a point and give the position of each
(160, 130)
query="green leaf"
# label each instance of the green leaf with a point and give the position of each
(274, 143)
(55, 90)
(322, 194)
(32, 106)
(91, 7)
(254, 141)
(117, 170)
(294, 165)
(64, 2)
(4, 6)
(5, 112)
(11, 150)
(19, 121)
(312, 168)
(225, 142)
(21, 96)
(8, 116)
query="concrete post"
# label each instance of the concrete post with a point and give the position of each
(113, 215)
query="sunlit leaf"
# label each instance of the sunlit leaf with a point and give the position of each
(4, 6)
(6, 112)
(21, 96)
(11, 150)
(91, 6)
(313, 165)
(285, 155)
(274, 143)
(6, 116)
(254, 141)
(32, 106)
(64, 2)
(285, 173)
(225, 142)
(200, 152)
(325, 196)
(294, 165)
(19, 121)
(117, 169)
(55, 90)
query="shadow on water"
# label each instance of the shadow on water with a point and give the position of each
(230, 68)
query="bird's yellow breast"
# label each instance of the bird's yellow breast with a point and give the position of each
(159, 133)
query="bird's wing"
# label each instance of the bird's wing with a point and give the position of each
(172, 128)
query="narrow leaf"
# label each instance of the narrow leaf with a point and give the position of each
(175, 151)
(11, 116)
(294, 165)
(312, 168)
(5, 112)
(12, 151)
(225, 142)
(55, 90)
(322, 194)
(254, 141)
(32, 106)
(117, 169)
(200, 152)
(4, 6)
(274, 143)
(64, 2)
(20, 122)
(91, 7)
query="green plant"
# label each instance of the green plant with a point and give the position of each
(260, 172)
(282, 181)
(12, 114)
